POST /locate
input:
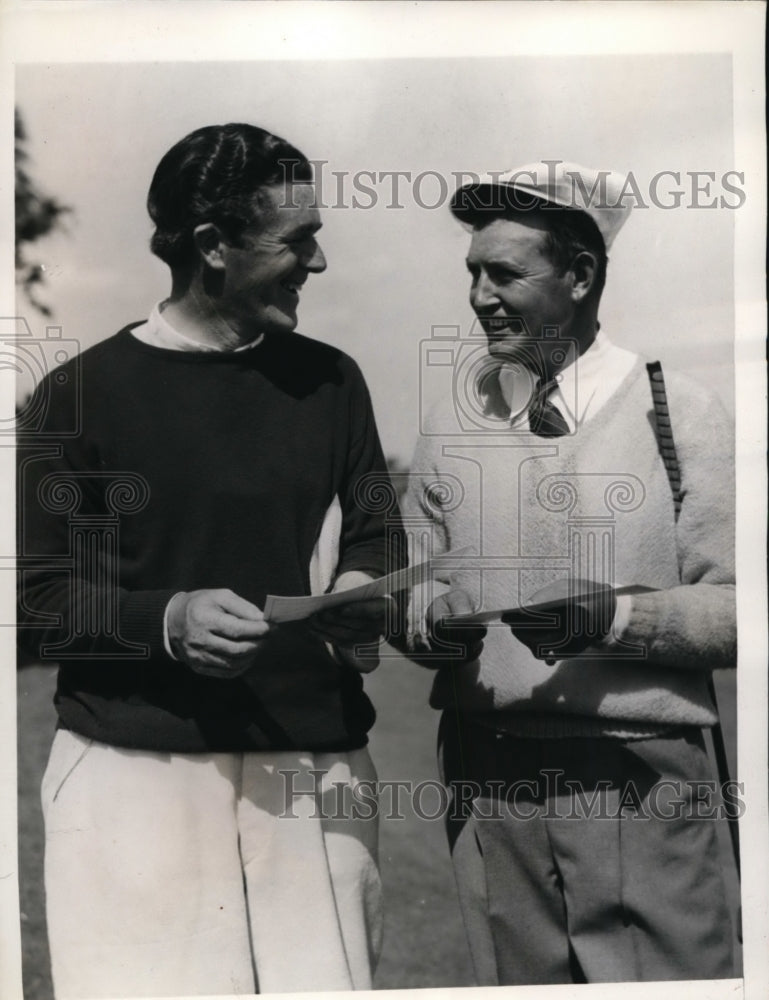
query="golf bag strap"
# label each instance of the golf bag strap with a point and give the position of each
(664, 432)
(667, 448)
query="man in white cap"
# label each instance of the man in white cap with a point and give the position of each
(571, 736)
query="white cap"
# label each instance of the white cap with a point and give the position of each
(598, 193)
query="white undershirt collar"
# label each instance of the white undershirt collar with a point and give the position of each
(583, 387)
(158, 332)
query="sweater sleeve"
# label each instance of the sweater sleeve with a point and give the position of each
(693, 626)
(421, 506)
(71, 605)
(426, 522)
(371, 537)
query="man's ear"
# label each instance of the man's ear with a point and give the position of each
(209, 243)
(584, 269)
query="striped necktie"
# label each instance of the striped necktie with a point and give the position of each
(545, 419)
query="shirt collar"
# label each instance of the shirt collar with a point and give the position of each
(581, 388)
(579, 380)
(158, 331)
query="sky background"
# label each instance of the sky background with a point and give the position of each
(96, 133)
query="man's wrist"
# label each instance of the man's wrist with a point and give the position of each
(620, 621)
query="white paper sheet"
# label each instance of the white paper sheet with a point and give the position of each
(293, 609)
(483, 617)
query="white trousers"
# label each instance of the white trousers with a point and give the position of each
(193, 874)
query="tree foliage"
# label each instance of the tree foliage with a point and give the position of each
(37, 215)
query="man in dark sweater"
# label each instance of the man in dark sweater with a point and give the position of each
(216, 456)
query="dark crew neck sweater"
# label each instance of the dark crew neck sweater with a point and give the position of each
(187, 471)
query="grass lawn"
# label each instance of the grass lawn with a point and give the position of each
(424, 943)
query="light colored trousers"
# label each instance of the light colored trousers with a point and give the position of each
(193, 874)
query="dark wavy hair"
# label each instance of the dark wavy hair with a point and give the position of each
(569, 230)
(214, 175)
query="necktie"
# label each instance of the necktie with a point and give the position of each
(545, 419)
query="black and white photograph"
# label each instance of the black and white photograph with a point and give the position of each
(385, 445)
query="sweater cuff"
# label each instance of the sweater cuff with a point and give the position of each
(361, 565)
(371, 559)
(166, 636)
(142, 614)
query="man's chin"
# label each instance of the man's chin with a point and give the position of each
(514, 347)
(277, 322)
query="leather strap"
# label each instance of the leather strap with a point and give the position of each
(667, 449)
(664, 432)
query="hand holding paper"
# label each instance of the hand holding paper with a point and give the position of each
(452, 640)
(564, 618)
(291, 609)
(354, 628)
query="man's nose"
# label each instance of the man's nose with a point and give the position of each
(483, 295)
(316, 261)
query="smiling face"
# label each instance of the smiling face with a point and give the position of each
(263, 272)
(516, 290)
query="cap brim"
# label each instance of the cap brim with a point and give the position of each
(473, 199)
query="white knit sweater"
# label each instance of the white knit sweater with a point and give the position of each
(595, 504)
